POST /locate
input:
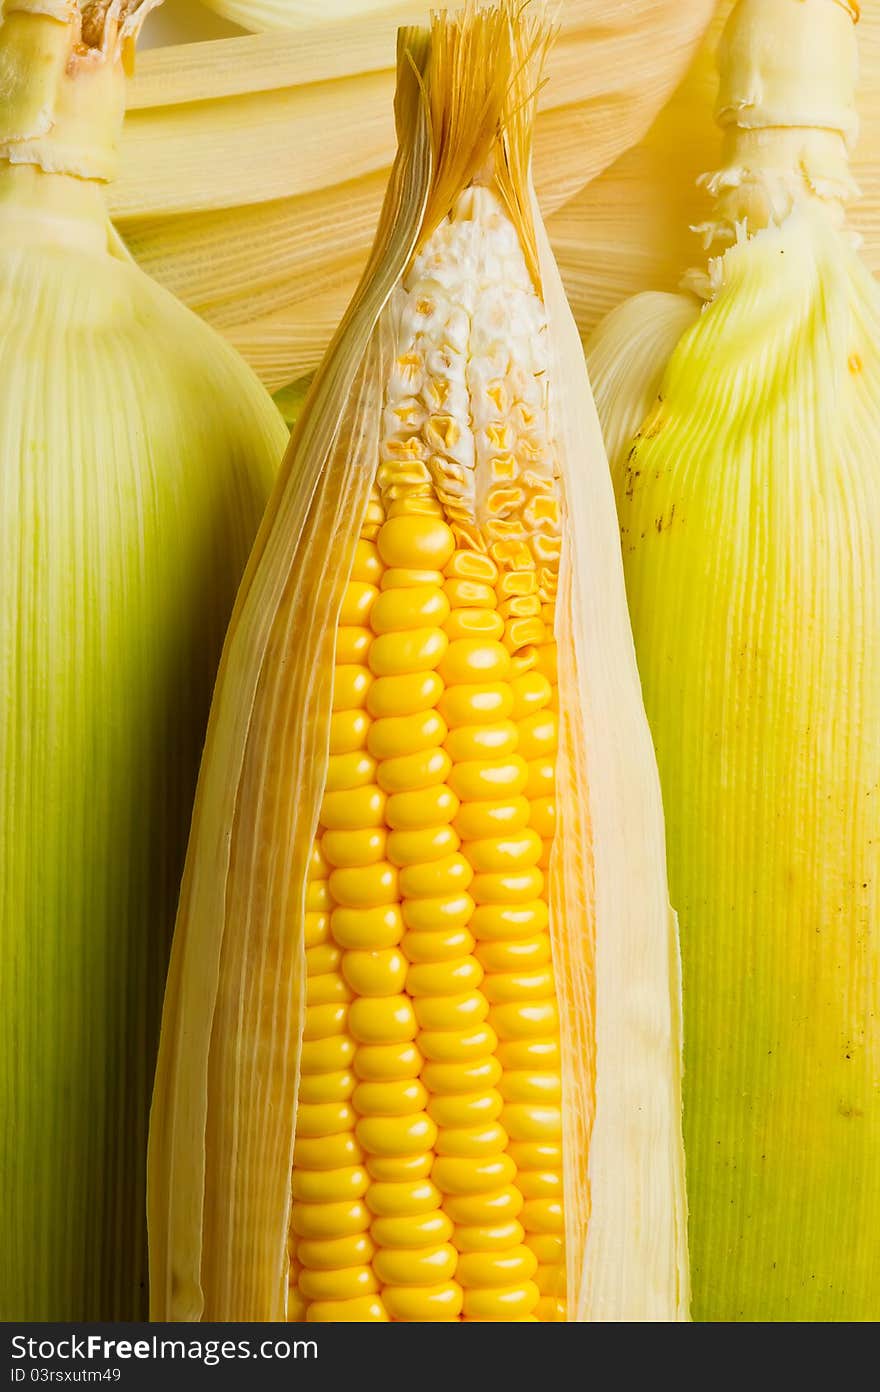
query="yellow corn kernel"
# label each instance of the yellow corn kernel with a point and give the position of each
(433, 915)
(323, 1119)
(499, 853)
(498, 1269)
(376, 1062)
(450, 1012)
(415, 541)
(348, 731)
(471, 1142)
(460, 1175)
(410, 577)
(466, 1109)
(351, 683)
(348, 771)
(326, 1152)
(414, 1230)
(498, 1237)
(461, 974)
(345, 849)
(365, 1309)
(382, 1020)
(326, 1087)
(329, 1220)
(398, 1097)
(353, 645)
(329, 1186)
(475, 704)
(517, 953)
(474, 623)
(326, 1055)
(353, 810)
(415, 1266)
(505, 1303)
(403, 695)
(486, 741)
(428, 807)
(420, 606)
(461, 1077)
(410, 773)
(379, 973)
(399, 1168)
(408, 654)
(464, 594)
(457, 1046)
(398, 735)
(440, 945)
(422, 845)
(403, 1197)
(345, 1283)
(469, 660)
(424, 1304)
(336, 1254)
(367, 928)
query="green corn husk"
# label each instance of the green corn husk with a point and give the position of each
(749, 505)
(136, 455)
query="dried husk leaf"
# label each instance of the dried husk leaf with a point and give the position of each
(224, 1111)
(750, 524)
(131, 485)
(262, 15)
(185, 21)
(241, 143)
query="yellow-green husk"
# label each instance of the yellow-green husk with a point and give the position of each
(136, 454)
(749, 508)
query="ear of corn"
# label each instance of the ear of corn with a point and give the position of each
(254, 167)
(750, 522)
(136, 453)
(420, 1047)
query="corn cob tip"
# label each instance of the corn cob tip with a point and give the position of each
(481, 127)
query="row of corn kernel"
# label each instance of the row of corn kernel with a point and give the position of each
(479, 1178)
(533, 1092)
(333, 1248)
(412, 1260)
(511, 926)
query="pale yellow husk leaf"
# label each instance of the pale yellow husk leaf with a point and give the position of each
(262, 15)
(284, 140)
(225, 1106)
(185, 21)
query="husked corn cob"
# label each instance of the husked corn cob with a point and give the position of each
(431, 1063)
(429, 923)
